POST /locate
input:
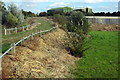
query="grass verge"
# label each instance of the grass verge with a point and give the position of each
(8, 39)
(101, 60)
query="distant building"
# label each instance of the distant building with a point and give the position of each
(62, 9)
(86, 10)
(55, 10)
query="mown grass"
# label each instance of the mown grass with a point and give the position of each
(8, 39)
(101, 60)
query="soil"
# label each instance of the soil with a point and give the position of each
(44, 56)
(41, 57)
(104, 27)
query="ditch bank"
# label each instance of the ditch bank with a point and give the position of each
(41, 57)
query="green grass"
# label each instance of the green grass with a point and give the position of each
(101, 60)
(8, 39)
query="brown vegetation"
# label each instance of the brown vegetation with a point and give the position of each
(42, 57)
(103, 27)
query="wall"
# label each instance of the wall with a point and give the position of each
(103, 20)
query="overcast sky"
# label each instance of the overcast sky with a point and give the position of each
(43, 5)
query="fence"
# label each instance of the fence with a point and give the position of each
(20, 41)
(103, 20)
(16, 30)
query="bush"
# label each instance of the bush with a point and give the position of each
(43, 14)
(59, 19)
(77, 28)
(11, 20)
(11, 16)
(16, 12)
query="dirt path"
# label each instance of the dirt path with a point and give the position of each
(42, 57)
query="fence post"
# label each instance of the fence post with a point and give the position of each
(32, 36)
(11, 46)
(9, 32)
(40, 33)
(23, 28)
(15, 30)
(21, 43)
(5, 31)
(14, 47)
(27, 27)
(57, 27)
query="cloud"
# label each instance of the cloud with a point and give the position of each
(24, 0)
(37, 0)
(96, 1)
(59, 4)
(57, 1)
(30, 5)
(48, 8)
(93, 1)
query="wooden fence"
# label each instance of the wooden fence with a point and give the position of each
(103, 19)
(20, 41)
(16, 30)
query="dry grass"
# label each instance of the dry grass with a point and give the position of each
(42, 57)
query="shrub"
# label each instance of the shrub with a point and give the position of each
(11, 20)
(77, 28)
(16, 12)
(43, 14)
(59, 19)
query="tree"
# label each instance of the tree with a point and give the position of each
(77, 28)
(11, 16)
(17, 13)
(3, 12)
(28, 14)
(43, 14)
(13, 9)
(20, 17)
(11, 20)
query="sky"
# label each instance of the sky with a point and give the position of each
(38, 6)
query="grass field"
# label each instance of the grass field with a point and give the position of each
(101, 60)
(8, 39)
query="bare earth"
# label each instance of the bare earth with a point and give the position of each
(103, 27)
(42, 57)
